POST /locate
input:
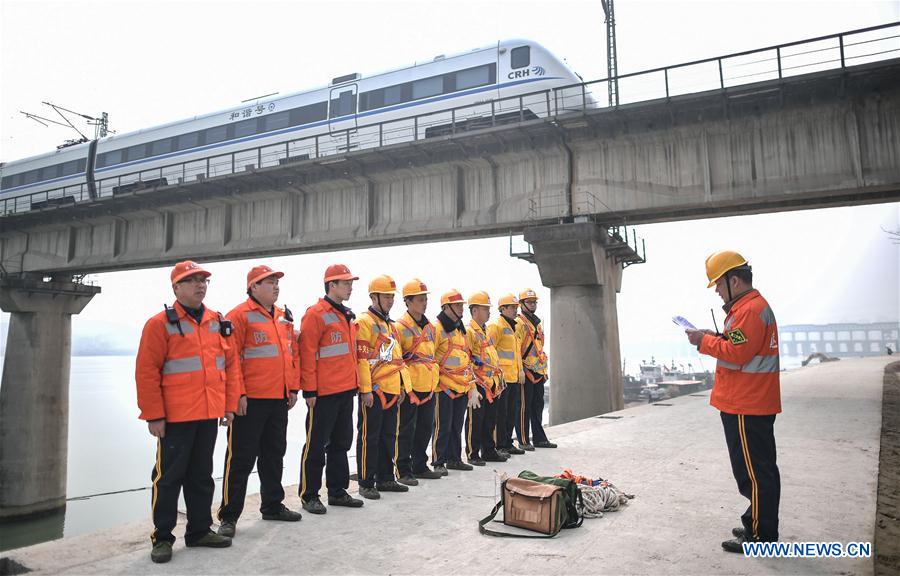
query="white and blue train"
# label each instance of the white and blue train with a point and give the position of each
(508, 81)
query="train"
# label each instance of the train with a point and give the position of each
(511, 80)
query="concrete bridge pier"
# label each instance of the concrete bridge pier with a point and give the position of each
(578, 263)
(34, 395)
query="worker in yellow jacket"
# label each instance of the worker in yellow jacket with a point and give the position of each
(456, 384)
(503, 333)
(481, 421)
(383, 383)
(534, 360)
(417, 409)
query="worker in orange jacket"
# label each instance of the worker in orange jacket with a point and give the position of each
(263, 338)
(329, 381)
(509, 349)
(417, 409)
(481, 421)
(383, 384)
(456, 384)
(534, 360)
(747, 392)
(188, 380)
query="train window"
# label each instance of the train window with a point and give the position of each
(189, 140)
(245, 128)
(520, 57)
(31, 176)
(393, 95)
(7, 182)
(136, 152)
(109, 158)
(50, 172)
(163, 146)
(344, 104)
(309, 113)
(216, 134)
(473, 77)
(427, 87)
(276, 121)
(71, 167)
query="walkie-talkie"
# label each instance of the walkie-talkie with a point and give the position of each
(172, 318)
(225, 326)
(288, 315)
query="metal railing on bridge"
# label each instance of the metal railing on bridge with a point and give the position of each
(835, 51)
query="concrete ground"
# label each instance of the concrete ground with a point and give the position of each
(672, 457)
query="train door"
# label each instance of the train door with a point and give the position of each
(342, 109)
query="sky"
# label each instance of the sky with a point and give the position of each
(149, 63)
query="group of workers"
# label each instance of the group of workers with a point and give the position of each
(418, 382)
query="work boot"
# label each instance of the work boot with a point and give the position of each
(315, 506)
(428, 474)
(495, 457)
(735, 545)
(161, 553)
(227, 528)
(367, 492)
(409, 480)
(458, 465)
(514, 450)
(283, 514)
(391, 486)
(545, 444)
(527, 447)
(739, 532)
(476, 461)
(210, 540)
(345, 500)
(441, 469)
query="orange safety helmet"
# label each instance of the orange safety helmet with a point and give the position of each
(452, 297)
(507, 300)
(528, 294)
(480, 299)
(260, 273)
(339, 272)
(718, 263)
(383, 284)
(187, 268)
(414, 287)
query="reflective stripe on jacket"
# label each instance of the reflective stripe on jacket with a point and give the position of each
(531, 338)
(183, 378)
(265, 346)
(508, 348)
(417, 345)
(747, 373)
(327, 351)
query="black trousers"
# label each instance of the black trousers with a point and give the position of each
(416, 428)
(480, 425)
(515, 414)
(376, 441)
(184, 461)
(751, 447)
(501, 428)
(448, 422)
(329, 432)
(536, 412)
(259, 437)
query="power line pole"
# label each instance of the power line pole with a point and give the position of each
(612, 68)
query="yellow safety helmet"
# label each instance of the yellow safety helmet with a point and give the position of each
(452, 297)
(480, 299)
(508, 300)
(414, 287)
(383, 284)
(528, 294)
(719, 263)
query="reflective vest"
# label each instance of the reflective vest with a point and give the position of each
(747, 372)
(417, 345)
(380, 359)
(327, 351)
(452, 354)
(265, 346)
(532, 341)
(508, 348)
(485, 362)
(183, 378)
